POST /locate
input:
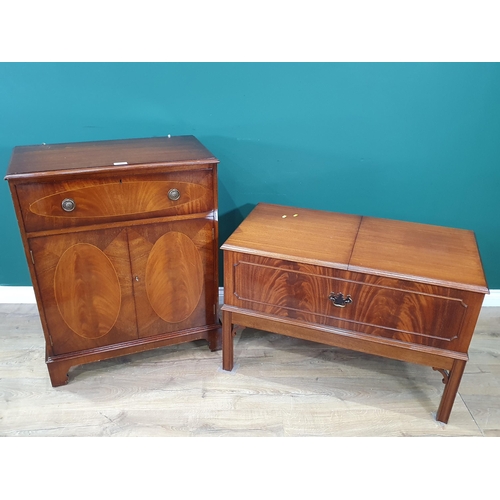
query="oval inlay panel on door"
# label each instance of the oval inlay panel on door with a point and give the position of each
(174, 277)
(87, 291)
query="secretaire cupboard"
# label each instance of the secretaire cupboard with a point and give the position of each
(121, 242)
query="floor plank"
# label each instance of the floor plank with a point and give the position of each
(280, 387)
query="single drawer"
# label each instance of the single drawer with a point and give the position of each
(411, 312)
(54, 205)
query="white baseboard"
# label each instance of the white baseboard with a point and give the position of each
(26, 295)
(17, 295)
(493, 299)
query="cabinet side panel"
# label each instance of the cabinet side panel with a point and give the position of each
(29, 260)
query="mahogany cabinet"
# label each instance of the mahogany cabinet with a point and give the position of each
(121, 242)
(402, 290)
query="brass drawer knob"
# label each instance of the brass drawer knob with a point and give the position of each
(174, 194)
(68, 205)
(338, 299)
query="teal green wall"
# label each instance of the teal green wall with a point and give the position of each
(418, 142)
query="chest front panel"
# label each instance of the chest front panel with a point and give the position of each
(409, 312)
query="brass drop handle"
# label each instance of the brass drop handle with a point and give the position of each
(338, 299)
(174, 194)
(68, 205)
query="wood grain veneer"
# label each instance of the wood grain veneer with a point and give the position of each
(410, 291)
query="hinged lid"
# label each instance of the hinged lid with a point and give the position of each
(403, 250)
(421, 252)
(302, 235)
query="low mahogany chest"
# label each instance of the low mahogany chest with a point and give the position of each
(121, 242)
(401, 290)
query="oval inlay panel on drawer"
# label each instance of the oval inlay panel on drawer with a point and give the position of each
(174, 277)
(87, 291)
(124, 198)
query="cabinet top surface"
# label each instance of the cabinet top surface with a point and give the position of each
(42, 158)
(407, 250)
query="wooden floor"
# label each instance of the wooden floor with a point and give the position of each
(279, 387)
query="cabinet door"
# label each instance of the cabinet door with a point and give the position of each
(86, 289)
(173, 269)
